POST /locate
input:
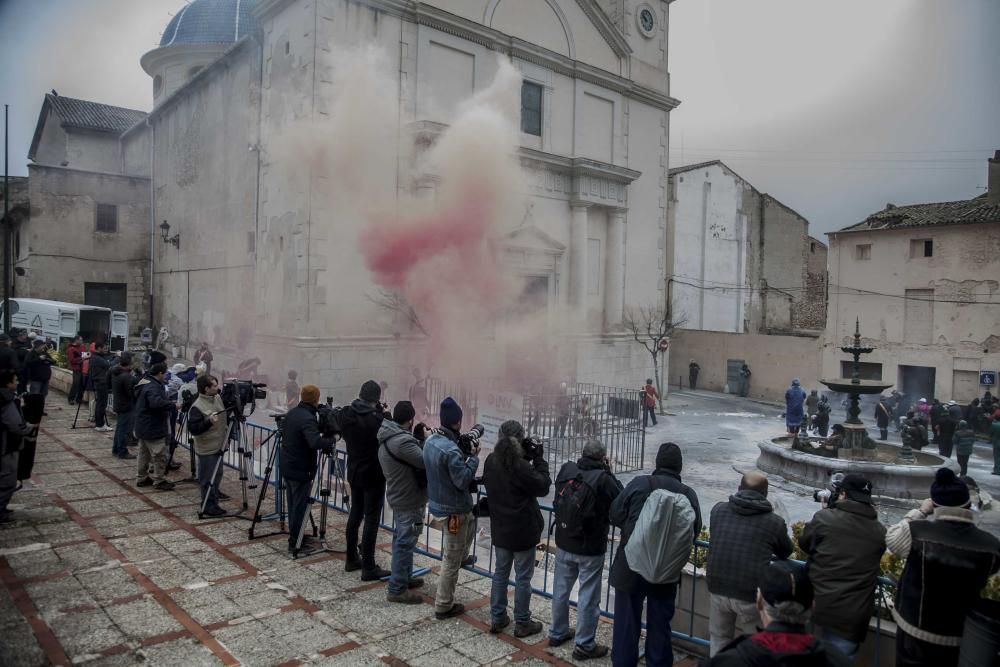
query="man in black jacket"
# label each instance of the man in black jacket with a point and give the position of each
(515, 475)
(8, 357)
(12, 429)
(631, 589)
(152, 408)
(948, 561)
(584, 493)
(359, 425)
(38, 368)
(746, 533)
(122, 382)
(845, 543)
(100, 365)
(300, 442)
(784, 597)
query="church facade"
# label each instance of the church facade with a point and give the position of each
(244, 249)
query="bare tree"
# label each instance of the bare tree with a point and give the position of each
(652, 328)
(396, 303)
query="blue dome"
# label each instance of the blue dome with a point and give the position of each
(211, 22)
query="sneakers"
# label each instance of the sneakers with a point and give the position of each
(144, 482)
(456, 609)
(215, 511)
(375, 574)
(527, 629)
(406, 597)
(496, 627)
(580, 653)
(553, 643)
(164, 486)
(103, 429)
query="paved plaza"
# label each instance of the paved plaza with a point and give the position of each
(98, 572)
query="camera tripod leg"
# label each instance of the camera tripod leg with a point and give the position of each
(79, 402)
(263, 491)
(213, 484)
(302, 527)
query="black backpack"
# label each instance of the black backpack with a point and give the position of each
(575, 505)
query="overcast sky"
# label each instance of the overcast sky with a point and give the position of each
(835, 108)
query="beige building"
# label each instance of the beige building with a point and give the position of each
(256, 263)
(744, 276)
(924, 282)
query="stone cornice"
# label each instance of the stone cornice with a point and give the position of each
(604, 26)
(432, 17)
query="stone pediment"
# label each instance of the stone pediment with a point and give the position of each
(531, 239)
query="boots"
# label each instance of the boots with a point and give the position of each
(353, 560)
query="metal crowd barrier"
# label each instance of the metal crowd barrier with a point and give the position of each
(431, 545)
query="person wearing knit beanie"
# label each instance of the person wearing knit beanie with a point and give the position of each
(370, 392)
(948, 562)
(451, 414)
(669, 457)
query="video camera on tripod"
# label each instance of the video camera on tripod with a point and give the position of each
(238, 394)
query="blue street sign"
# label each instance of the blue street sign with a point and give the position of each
(988, 378)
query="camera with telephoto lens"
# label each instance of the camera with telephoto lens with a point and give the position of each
(237, 395)
(329, 421)
(532, 448)
(470, 439)
(829, 495)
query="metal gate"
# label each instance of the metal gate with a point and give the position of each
(733, 374)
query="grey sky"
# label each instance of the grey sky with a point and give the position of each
(835, 108)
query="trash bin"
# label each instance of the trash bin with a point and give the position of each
(981, 638)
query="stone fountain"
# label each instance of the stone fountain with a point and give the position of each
(895, 472)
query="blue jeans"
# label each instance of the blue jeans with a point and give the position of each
(524, 567)
(588, 569)
(123, 426)
(845, 646)
(409, 525)
(628, 625)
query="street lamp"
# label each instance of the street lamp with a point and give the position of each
(165, 235)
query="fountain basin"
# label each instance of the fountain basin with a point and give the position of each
(889, 479)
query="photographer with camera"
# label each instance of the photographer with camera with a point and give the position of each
(584, 493)
(516, 475)
(360, 423)
(122, 381)
(100, 367)
(152, 408)
(300, 440)
(208, 424)
(845, 543)
(451, 472)
(402, 459)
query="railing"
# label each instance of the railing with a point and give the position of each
(260, 447)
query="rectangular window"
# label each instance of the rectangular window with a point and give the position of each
(921, 248)
(812, 247)
(863, 251)
(531, 108)
(107, 218)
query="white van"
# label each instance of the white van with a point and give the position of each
(60, 321)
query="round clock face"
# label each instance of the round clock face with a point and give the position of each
(647, 21)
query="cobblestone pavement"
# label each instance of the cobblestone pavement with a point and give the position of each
(98, 572)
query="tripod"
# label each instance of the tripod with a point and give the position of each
(79, 402)
(279, 498)
(181, 435)
(327, 476)
(237, 433)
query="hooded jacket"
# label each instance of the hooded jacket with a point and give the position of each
(38, 366)
(300, 440)
(152, 408)
(746, 533)
(779, 645)
(625, 512)
(401, 457)
(606, 488)
(100, 365)
(845, 544)
(122, 383)
(794, 400)
(515, 518)
(12, 420)
(74, 352)
(359, 424)
(965, 439)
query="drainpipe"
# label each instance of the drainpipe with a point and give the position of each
(761, 281)
(152, 216)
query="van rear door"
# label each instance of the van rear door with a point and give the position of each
(119, 331)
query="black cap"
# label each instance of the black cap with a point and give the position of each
(857, 488)
(785, 581)
(403, 412)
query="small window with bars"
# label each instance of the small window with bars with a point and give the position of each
(107, 218)
(531, 108)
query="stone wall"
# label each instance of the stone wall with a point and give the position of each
(810, 312)
(773, 359)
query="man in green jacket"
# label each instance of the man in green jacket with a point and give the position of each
(208, 425)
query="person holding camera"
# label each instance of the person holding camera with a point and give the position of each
(208, 425)
(845, 543)
(13, 429)
(515, 475)
(451, 473)
(585, 490)
(100, 365)
(152, 408)
(746, 533)
(359, 424)
(402, 459)
(300, 440)
(948, 561)
(122, 382)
